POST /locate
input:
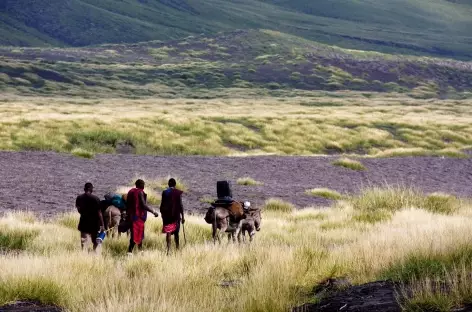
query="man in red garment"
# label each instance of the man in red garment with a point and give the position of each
(172, 212)
(137, 212)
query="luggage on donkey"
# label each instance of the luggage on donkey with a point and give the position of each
(223, 190)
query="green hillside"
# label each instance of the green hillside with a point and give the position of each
(255, 59)
(435, 27)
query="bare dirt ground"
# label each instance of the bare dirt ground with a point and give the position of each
(47, 183)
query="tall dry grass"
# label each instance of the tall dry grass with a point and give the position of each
(294, 251)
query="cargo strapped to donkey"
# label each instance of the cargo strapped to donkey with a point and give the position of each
(225, 200)
(224, 194)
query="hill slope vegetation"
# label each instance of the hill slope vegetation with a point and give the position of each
(242, 59)
(436, 27)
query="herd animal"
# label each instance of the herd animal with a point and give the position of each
(236, 219)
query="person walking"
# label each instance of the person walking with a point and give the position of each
(172, 212)
(91, 218)
(137, 212)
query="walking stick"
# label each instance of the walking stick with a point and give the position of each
(185, 238)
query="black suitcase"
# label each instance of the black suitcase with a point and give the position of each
(223, 190)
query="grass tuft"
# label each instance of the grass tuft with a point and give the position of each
(248, 182)
(350, 164)
(392, 199)
(278, 205)
(80, 152)
(324, 193)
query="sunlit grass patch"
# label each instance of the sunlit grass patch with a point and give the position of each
(248, 181)
(278, 205)
(324, 193)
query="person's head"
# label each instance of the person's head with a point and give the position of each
(139, 184)
(88, 188)
(172, 182)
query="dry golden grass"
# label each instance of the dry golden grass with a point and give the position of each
(292, 253)
(312, 123)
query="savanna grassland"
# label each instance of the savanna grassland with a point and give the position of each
(310, 123)
(362, 238)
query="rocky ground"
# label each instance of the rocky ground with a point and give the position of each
(382, 296)
(28, 306)
(47, 183)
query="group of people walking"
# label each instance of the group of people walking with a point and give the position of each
(135, 208)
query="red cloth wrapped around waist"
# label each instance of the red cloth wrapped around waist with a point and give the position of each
(170, 228)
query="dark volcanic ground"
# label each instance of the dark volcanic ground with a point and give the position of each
(48, 183)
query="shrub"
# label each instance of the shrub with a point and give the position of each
(278, 205)
(324, 193)
(248, 181)
(349, 163)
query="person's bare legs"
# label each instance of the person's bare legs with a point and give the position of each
(84, 237)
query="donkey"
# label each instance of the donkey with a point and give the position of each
(225, 220)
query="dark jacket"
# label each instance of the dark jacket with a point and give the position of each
(171, 206)
(88, 206)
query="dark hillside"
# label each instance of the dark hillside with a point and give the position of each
(435, 27)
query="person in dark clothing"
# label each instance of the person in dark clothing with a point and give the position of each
(91, 218)
(137, 212)
(172, 212)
